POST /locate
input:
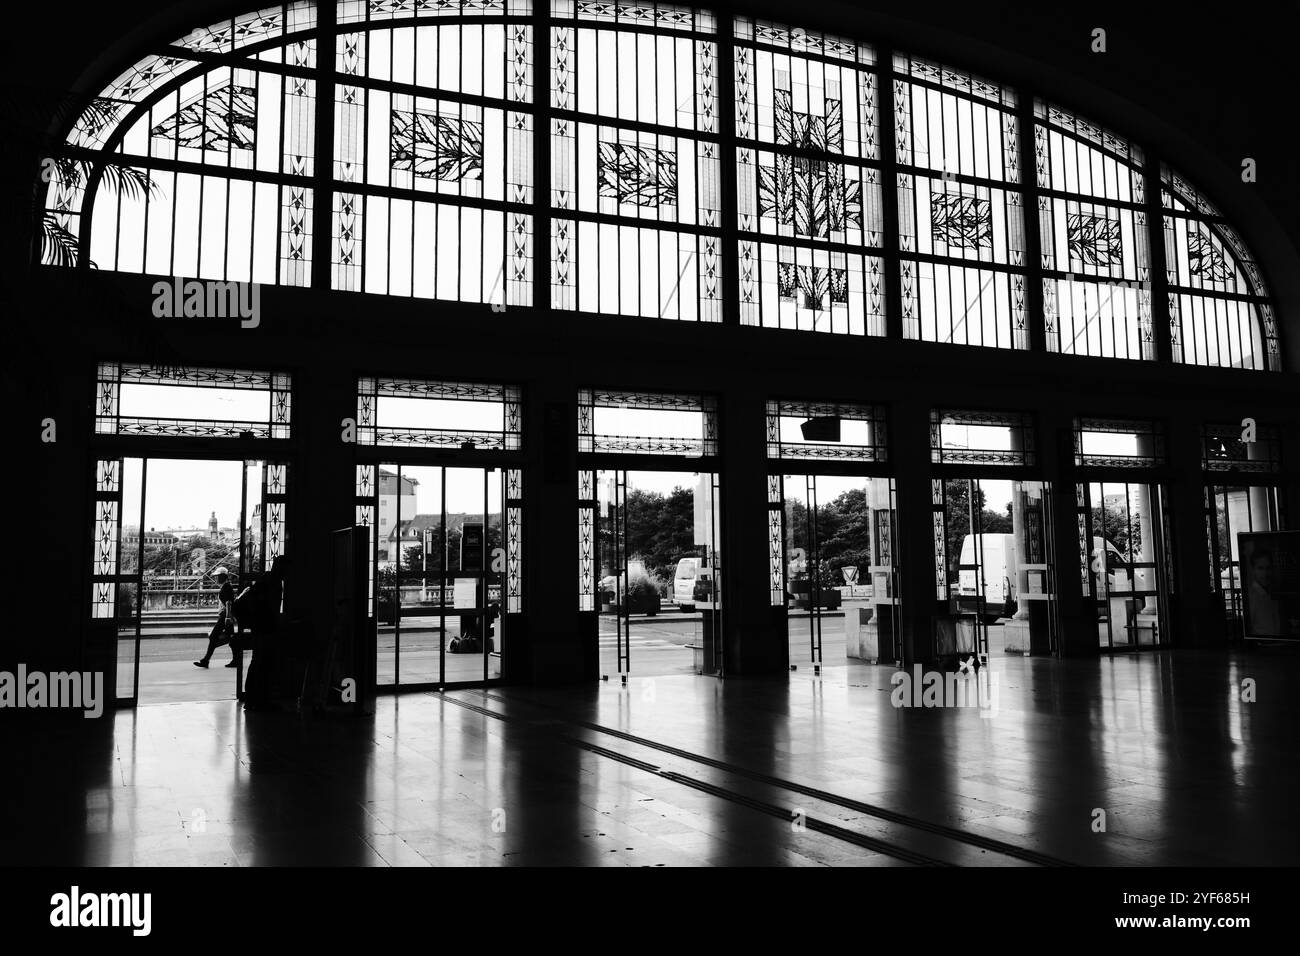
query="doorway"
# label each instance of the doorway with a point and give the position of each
(1233, 510)
(840, 576)
(993, 548)
(439, 553)
(1126, 554)
(188, 528)
(658, 588)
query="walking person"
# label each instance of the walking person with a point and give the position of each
(224, 629)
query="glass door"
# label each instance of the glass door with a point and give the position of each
(612, 586)
(840, 577)
(803, 563)
(441, 568)
(966, 523)
(657, 573)
(1127, 554)
(130, 582)
(1232, 510)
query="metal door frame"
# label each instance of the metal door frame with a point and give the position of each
(777, 522)
(1161, 553)
(136, 578)
(1213, 489)
(378, 460)
(593, 463)
(939, 506)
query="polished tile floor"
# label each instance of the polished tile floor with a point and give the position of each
(683, 770)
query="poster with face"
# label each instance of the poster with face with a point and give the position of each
(1270, 583)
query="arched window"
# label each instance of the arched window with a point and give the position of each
(1219, 313)
(1094, 239)
(635, 161)
(961, 226)
(412, 127)
(198, 160)
(808, 181)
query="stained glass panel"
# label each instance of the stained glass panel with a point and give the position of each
(634, 140)
(810, 178)
(1220, 312)
(957, 143)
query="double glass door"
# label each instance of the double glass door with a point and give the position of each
(440, 568)
(993, 566)
(840, 582)
(1124, 549)
(658, 573)
(1232, 510)
(183, 526)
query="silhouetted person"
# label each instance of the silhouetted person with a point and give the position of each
(258, 610)
(224, 629)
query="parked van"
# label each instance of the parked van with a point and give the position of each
(1001, 567)
(688, 569)
(999, 564)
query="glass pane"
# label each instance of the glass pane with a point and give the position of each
(466, 560)
(800, 572)
(416, 547)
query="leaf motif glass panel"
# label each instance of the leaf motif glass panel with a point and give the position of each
(434, 145)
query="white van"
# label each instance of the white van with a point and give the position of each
(999, 564)
(1000, 569)
(688, 569)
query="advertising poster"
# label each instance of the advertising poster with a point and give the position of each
(1270, 584)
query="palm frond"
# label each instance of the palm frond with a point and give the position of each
(130, 182)
(58, 246)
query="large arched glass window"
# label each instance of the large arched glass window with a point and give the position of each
(635, 161)
(961, 222)
(1219, 313)
(433, 140)
(1094, 239)
(210, 144)
(391, 147)
(808, 181)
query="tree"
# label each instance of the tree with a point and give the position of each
(660, 528)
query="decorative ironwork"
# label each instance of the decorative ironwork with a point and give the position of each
(940, 555)
(663, 15)
(1222, 299)
(437, 146)
(108, 475)
(777, 448)
(221, 120)
(373, 430)
(1205, 261)
(637, 175)
(113, 375)
(775, 557)
(1223, 448)
(1020, 438)
(1145, 434)
(963, 222)
(586, 540)
(592, 441)
(1094, 240)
